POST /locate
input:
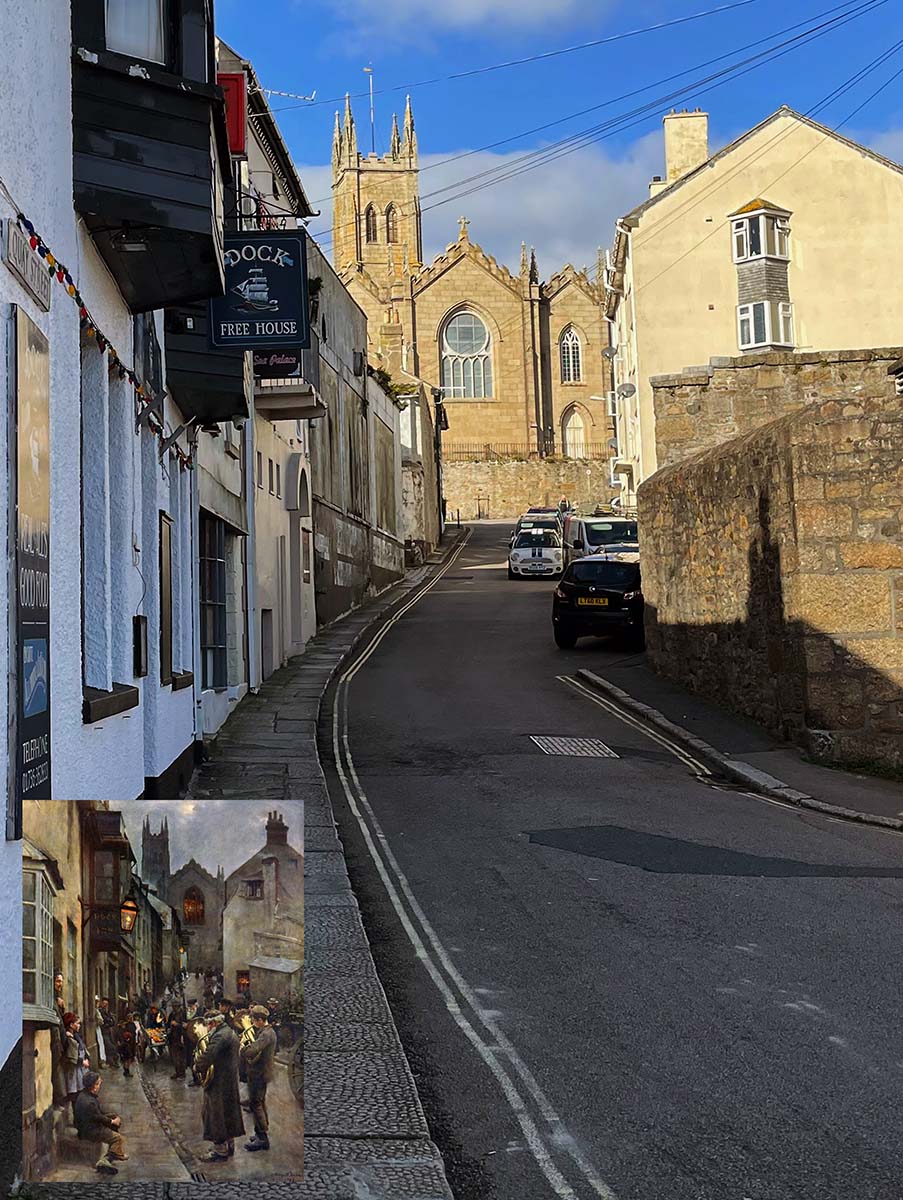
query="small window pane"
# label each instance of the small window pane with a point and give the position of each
(755, 236)
(760, 334)
(136, 27)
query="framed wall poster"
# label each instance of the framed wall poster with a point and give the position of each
(31, 494)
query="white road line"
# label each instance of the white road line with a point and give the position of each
(695, 766)
(396, 882)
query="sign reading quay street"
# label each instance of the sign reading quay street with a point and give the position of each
(32, 560)
(266, 302)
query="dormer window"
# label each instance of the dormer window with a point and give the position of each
(760, 231)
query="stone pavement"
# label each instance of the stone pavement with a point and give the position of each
(365, 1133)
(365, 1136)
(162, 1124)
(152, 1155)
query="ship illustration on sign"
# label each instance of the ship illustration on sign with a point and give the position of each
(255, 293)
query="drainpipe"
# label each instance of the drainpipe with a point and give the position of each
(250, 565)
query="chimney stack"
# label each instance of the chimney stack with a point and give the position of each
(277, 830)
(686, 142)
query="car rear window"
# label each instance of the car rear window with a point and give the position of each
(604, 533)
(611, 574)
(548, 541)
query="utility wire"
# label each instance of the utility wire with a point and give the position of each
(505, 172)
(818, 107)
(531, 58)
(847, 4)
(529, 161)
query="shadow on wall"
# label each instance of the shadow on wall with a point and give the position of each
(796, 680)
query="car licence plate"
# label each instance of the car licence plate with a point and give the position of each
(595, 601)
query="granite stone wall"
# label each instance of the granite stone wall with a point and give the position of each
(705, 406)
(773, 574)
(506, 489)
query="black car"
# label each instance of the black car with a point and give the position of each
(598, 596)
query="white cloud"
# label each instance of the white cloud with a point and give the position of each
(405, 22)
(566, 208)
(889, 143)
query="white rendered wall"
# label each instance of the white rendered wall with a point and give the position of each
(108, 759)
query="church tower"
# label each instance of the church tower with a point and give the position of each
(155, 857)
(376, 201)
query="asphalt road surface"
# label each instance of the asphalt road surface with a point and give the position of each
(612, 980)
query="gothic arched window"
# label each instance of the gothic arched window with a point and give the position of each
(466, 358)
(370, 223)
(571, 353)
(193, 907)
(392, 224)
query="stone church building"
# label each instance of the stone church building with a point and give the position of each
(519, 361)
(196, 895)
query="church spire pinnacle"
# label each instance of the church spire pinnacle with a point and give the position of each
(395, 141)
(337, 141)
(523, 258)
(409, 146)
(349, 135)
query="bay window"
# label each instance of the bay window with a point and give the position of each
(760, 235)
(766, 323)
(37, 944)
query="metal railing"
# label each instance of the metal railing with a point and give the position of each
(519, 451)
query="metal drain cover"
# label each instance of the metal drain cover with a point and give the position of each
(574, 747)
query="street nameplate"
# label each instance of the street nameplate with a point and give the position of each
(27, 266)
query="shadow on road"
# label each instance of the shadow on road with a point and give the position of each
(674, 856)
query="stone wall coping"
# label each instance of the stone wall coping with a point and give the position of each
(698, 375)
(831, 408)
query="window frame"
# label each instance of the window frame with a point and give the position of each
(777, 318)
(165, 584)
(773, 226)
(43, 1009)
(193, 921)
(392, 230)
(162, 7)
(371, 226)
(465, 376)
(570, 344)
(212, 602)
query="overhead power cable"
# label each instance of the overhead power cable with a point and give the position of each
(519, 62)
(505, 172)
(847, 5)
(532, 159)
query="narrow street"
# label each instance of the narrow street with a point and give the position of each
(611, 979)
(162, 1125)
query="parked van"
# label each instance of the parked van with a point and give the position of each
(589, 535)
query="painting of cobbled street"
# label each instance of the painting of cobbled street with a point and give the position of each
(163, 948)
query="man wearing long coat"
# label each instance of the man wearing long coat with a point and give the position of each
(223, 1120)
(258, 1058)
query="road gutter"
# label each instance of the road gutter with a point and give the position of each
(734, 769)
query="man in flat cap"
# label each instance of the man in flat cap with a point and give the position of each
(217, 1066)
(258, 1057)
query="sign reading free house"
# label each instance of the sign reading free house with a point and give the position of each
(266, 300)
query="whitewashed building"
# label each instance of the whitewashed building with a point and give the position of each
(91, 408)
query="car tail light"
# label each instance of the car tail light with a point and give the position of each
(561, 593)
(633, 595)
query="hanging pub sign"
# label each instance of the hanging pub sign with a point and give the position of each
(32, 560)
(266, 302)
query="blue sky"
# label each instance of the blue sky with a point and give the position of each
(565, 208)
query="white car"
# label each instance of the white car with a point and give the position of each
(536, 553)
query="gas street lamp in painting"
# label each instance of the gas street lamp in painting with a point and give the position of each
(128, 914)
